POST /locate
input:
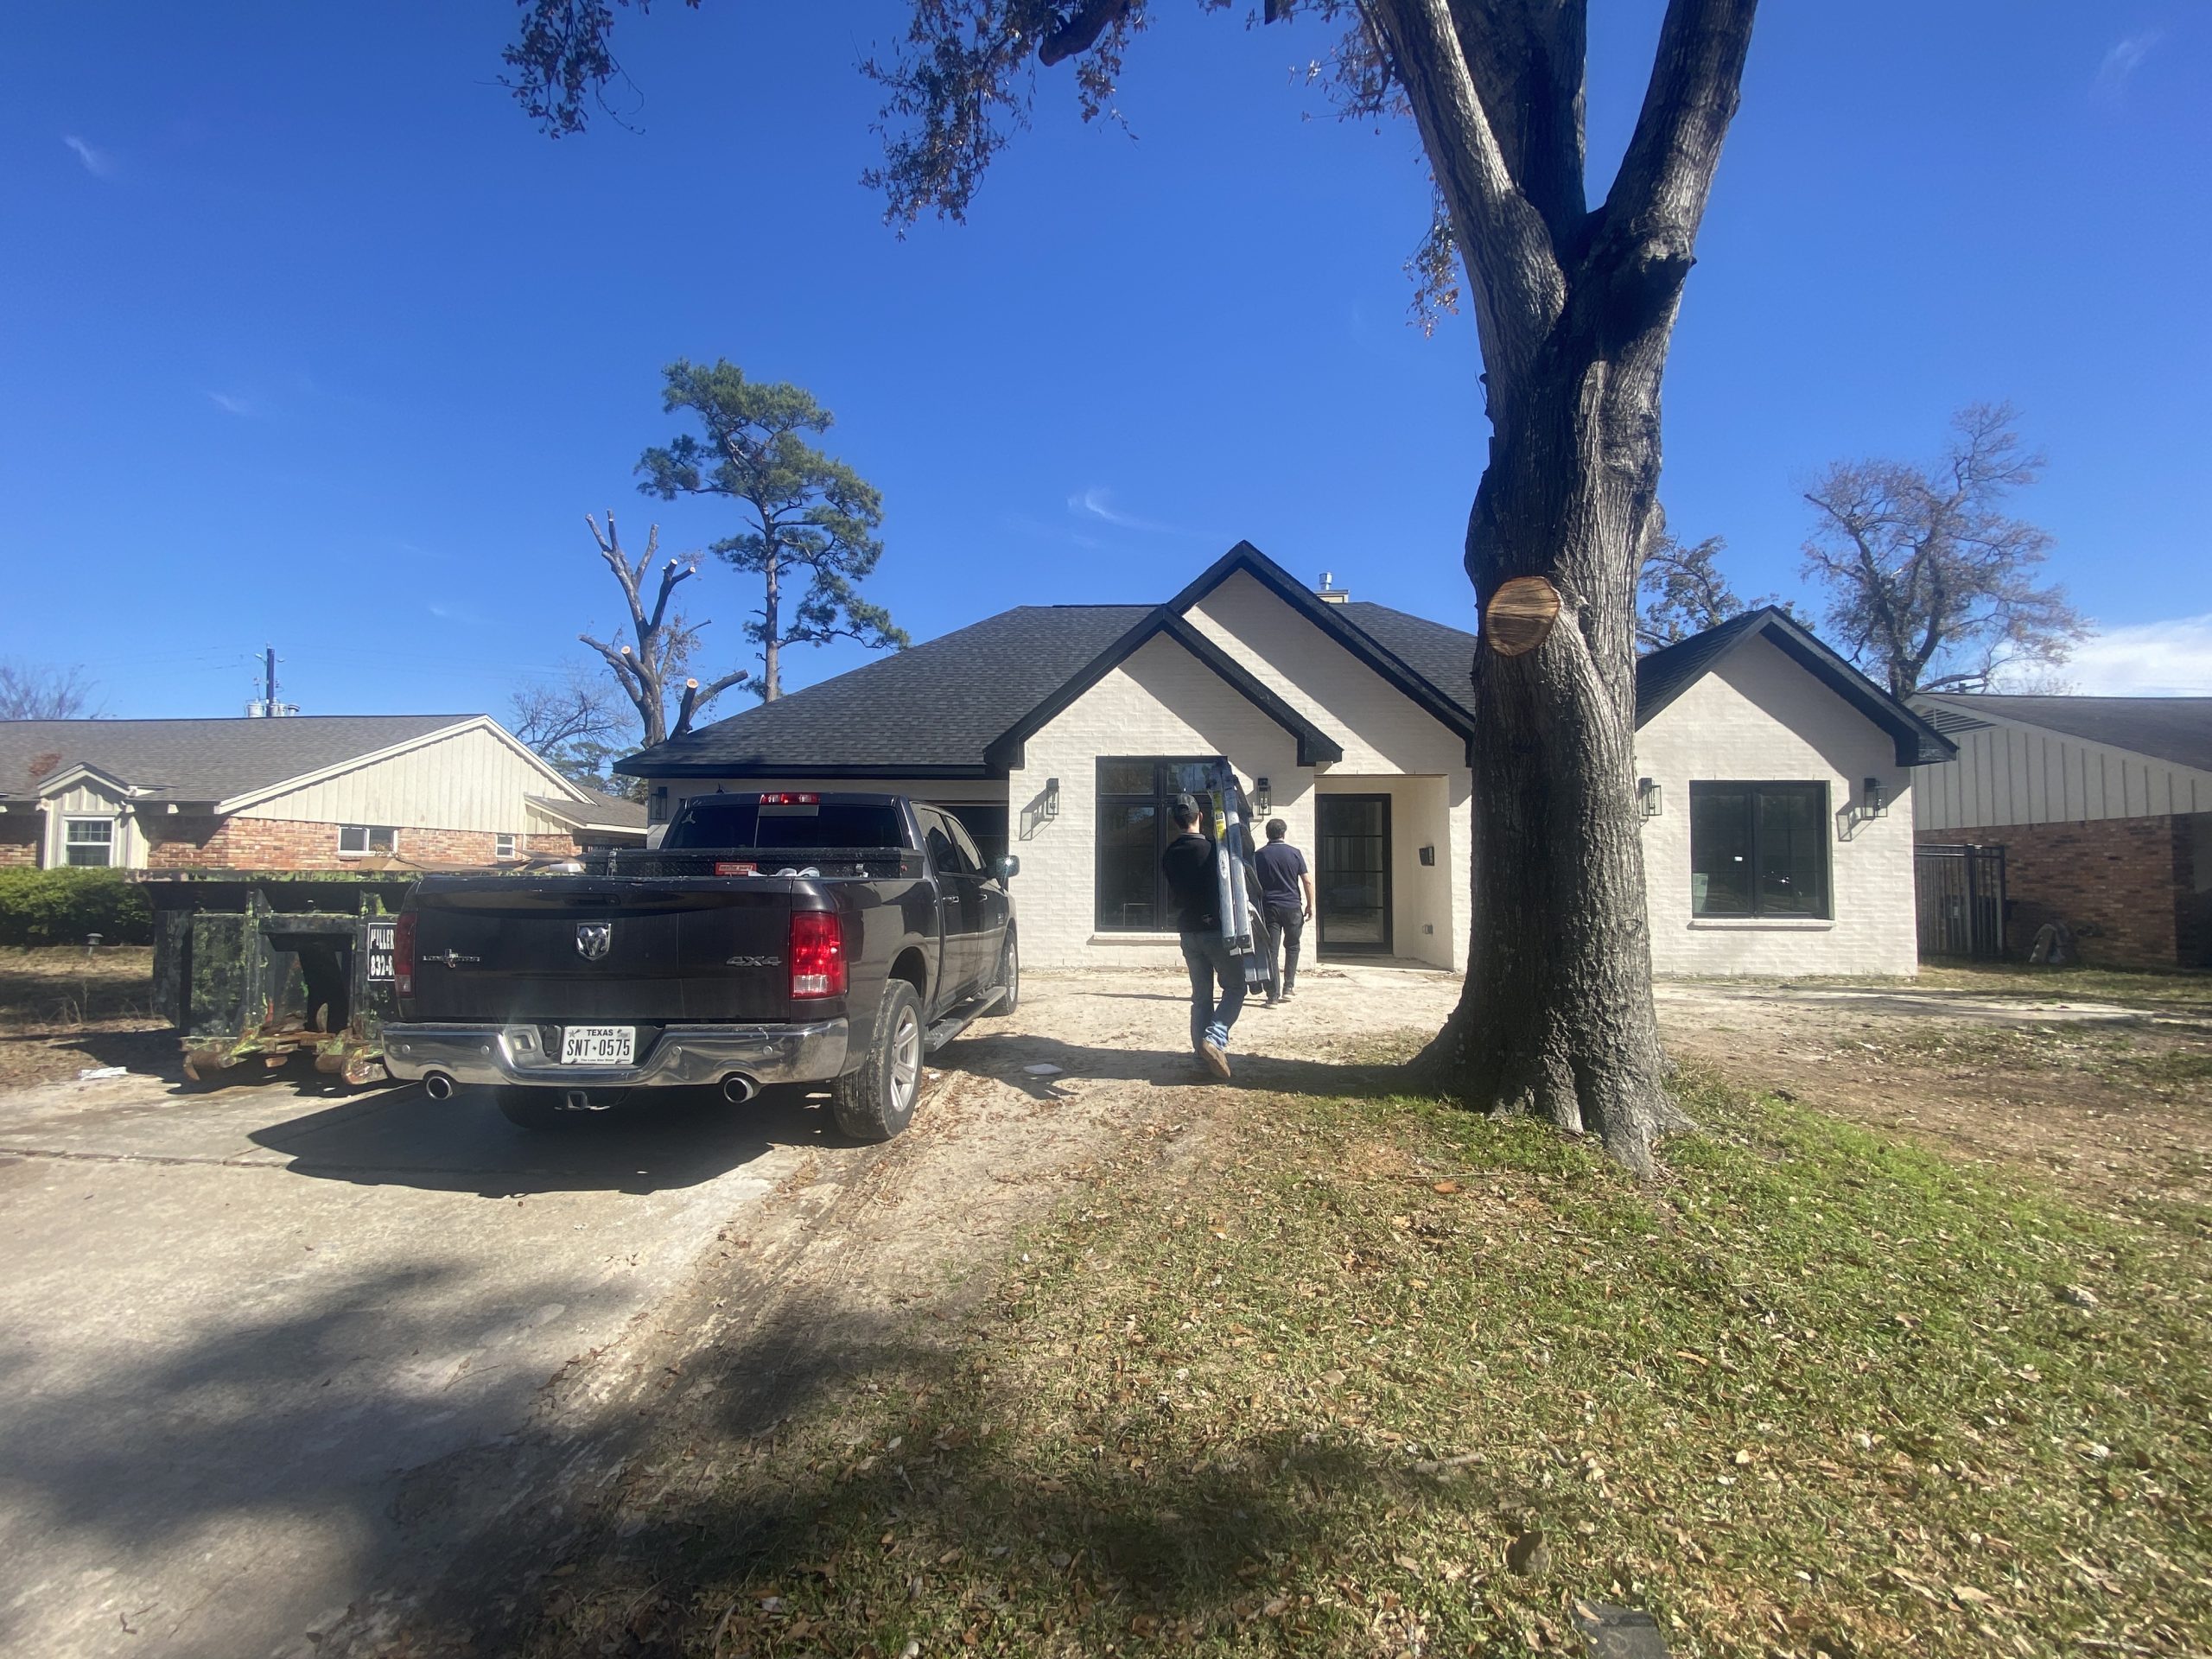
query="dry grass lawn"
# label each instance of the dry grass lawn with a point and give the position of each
(63, 1009)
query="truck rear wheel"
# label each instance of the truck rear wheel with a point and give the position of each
(876, 1099)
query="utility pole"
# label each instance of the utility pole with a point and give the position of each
(268, 708)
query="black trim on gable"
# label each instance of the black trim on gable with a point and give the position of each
(1665, 675)
(1246, 558)
(1315, 745)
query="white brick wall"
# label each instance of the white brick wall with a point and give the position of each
(1161, 701)
(1760, 717)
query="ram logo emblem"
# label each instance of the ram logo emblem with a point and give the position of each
(594, 939)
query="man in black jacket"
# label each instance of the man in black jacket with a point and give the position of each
(1188, 864)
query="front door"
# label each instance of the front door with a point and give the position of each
(1352, 877)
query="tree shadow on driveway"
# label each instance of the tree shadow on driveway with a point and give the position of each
(401, 1137)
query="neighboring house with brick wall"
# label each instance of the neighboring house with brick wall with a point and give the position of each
(1062, 734)
(2103, 807)
(300, 792)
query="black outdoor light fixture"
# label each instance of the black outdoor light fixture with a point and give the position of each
(1871, 804)
(1647, 797)
(1262, 801)
(1052, 808)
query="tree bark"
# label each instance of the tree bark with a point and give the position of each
(1556, 1018)
(771, 641)
(1575, 310)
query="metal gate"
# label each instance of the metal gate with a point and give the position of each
(1961, 893)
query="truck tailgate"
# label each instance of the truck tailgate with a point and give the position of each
(570, 948)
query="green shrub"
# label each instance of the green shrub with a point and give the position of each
(61, 906)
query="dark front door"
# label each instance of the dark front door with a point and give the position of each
(1352, 877)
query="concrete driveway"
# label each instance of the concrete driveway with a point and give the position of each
(233, 1323)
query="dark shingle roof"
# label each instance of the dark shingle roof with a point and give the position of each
(931, 709)
(1444, 657)
(937, 708)
(2176, 729)
(202, 759)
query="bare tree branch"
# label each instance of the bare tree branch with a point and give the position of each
(1931, 587)
(664, 643)
(1519, 288)
(41, 691)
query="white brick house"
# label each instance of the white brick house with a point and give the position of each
(1057, 733)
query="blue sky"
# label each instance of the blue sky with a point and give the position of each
(314, 340)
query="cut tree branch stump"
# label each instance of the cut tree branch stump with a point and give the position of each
(1520, 615)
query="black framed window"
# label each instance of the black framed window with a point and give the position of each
(1759, 850)
(1135, 793)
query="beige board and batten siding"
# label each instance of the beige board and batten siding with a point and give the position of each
(2010, 774)
(1758, 717)
(86, 799)
(473, 778)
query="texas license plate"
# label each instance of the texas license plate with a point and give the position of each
(597, 1044)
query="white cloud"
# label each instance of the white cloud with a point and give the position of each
(99, 162)
(2123, 60)
(1097, 502)
(231, 405)
(2171, 658)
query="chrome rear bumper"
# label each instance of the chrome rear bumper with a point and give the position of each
(682, 1057)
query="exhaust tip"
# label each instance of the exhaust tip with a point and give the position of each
(737, 1088)
(437, 1086)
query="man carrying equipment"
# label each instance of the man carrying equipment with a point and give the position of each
(1192, 877)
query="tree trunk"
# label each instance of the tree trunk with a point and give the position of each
(771, 684)
(1556, 1019)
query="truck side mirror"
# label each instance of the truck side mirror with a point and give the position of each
(1006, 867)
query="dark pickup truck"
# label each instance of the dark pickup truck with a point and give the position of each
(772, 937)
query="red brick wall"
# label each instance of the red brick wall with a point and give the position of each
(19, 835)
(236, 844)
(2125, 886)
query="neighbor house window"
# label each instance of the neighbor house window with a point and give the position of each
(358, 839)
(1759, 850)
(1134, 797)
(89, 842)
(503, 845)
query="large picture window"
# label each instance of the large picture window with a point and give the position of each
(89, 842)
(1134, 797)
(1759, 850)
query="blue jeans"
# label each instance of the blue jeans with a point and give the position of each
(1208, 959)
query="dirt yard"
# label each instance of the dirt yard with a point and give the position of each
(864, 1252)
(64, 1008)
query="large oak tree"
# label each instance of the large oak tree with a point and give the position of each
(1574, 307)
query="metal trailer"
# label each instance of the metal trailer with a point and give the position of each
(270, 967)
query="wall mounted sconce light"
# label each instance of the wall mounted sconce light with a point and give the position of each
(1647, 797)
(1262, 800)
(1052, 809)
(1871, 803)
(1428, 855)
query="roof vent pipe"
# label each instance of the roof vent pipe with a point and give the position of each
(1329, 593)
